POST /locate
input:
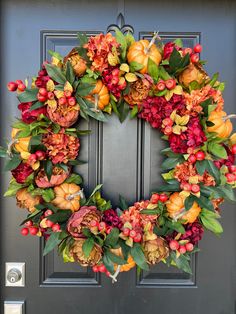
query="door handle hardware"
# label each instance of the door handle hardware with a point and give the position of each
(15, 274)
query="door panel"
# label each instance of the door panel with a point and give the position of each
(125, 158)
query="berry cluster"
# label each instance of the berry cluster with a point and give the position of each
(113, 81)
(101, 268)
(194, 53)
(18, 86)
(169, 84)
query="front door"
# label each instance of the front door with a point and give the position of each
(124, 157)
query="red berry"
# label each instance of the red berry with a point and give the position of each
(187, 50)
(29, 223)
(21, 87)
(197, 48)
(170, 84)
(194, 58)
(186, 186)
(94, 223)
(71, 101)
(56, 227)
(174, 245)
(161, 85)
(43, 92)
(67, 93)
(102, 268)
(182, 249)
(108, 273)
(41, 73)
(230, 177)
(138, 237)
(155, 198)
(49, 223)
(12, 86)
(102, 226)
(32, 159)
(19, 82)
(126, 232)
(200, 155)
(41, 98)
(62, 101)
(95, 268)
(40, 155)
(189, 247)
(233, 149)
(50, 95)
(132, 234)
(48, 212)
(33, 230)
(163, 197)
(24, 231)
(192, 159)
(195, 188)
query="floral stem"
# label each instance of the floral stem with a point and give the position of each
(9, 146)
(113, 277)
(155, 36)
(72, 196)
(230, 116)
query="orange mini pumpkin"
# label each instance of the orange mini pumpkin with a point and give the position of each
(130, 262)
(21, 144)
(175, 208)
(221, 126)
(141, 51)
(102, 93)
(67, 196)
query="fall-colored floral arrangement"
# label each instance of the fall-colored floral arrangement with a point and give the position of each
(163, 84)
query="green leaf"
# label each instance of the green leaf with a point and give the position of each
(55, 73)
(175, 59)
(28, 95)
(178, 42)
(70, 75)
(138, 256)
(214, 79)
(37, 105)
(97, 188)
(122, 41)
(163, 73)
(76, 162)
(55, 54)
(52, 242)
(48, 195)
(122, 203)
(123, 109)
(13, 188)
(60, 216)
(12, 163)
(203, 202)
(182, 262)
(48, 168)
(169, 187)
(135, 66)
(188, 203)
(134, 112)
(194, 85)
(97, 115)
(112, 238)
(150, 211)
(84, 89)
(211, 224)
(74, 178)
(3, 152)
(153, 70)
(83, 132)
(36, 214)
(171, 162)
(217, 149)
(227, 192)
(108, 263)
(213, 170)
(175, 225)
(115, 258)
(82, 38)
(88, 246)
(201, 166)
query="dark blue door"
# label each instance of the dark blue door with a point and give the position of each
(29, 29)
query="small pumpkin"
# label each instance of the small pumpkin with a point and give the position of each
(21, 144)
(175, 208)
(141, 51)
(130, 262)
(223, 127)
(102, 93)
(26, 200)
(67, 196)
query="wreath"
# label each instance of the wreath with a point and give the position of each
(163, 84)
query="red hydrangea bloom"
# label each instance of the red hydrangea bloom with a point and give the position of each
(111, 79)
(111, 218)
(155, 109)
(193, 137)
(21, 172)
(168, 49)
(28, 116)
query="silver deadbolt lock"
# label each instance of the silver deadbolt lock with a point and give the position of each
(14, 275)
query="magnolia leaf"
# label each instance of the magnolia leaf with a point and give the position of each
(28, 95)
(12, 163)
(138, 256)
(153, 70)
(88, 246)
(55, 73)
(134, 66)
